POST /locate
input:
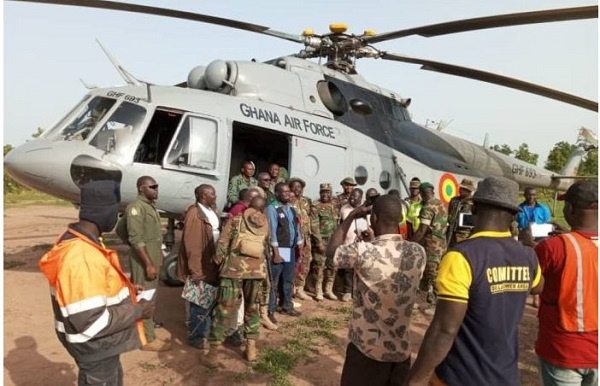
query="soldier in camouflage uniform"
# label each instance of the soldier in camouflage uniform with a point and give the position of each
(244, 180)
(240, 252)
(431, 235)
(310, 230)
(459, 204)
(341, 199)
(327, 218)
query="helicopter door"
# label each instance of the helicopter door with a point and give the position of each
(194, 146)
(317, 162)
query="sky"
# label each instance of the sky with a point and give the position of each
(48, 49)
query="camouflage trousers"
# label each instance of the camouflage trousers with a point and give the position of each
(304, 268)
(428, 282)
(230, 296)
(319, 264)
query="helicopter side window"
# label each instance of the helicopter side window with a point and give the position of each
(195, 145)
(86, 119)
(118, 131)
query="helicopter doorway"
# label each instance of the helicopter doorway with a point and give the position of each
(259, 145)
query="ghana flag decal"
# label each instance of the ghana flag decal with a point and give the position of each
(448, 187)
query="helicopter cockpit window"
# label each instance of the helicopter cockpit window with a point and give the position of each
(195, 145)
(118, 133)
(86, 118)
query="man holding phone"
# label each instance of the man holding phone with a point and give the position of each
(460, 205)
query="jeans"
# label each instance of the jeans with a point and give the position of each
(285, 272)
(105, 372)
(198, 324)
(559, 376)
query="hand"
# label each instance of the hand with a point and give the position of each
(367, 235)
(196, 282)
(321, 248)
(277, 259)
(147, 308)
(150, 272)
(138, 288)
(361, 211)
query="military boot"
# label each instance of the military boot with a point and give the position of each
(319, 292)
(265, 321)
(251, 351)
(329, 289)
(300, 294)
(211, 360)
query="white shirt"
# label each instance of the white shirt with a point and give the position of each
(358, 226)
(213, 219)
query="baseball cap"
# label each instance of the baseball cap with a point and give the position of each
(583, 195)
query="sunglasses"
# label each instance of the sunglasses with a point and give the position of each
(154, 187)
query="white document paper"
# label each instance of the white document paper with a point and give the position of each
(147, 294)
(541, 230)
(286, 254)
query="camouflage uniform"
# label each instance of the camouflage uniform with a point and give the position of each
(435, 215)
(457, 206)
(241, 276)
(310, 228)
(144, 229)
(236, 184)
(386, 276)
(327, 218)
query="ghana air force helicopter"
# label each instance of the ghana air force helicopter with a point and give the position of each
(322, 121)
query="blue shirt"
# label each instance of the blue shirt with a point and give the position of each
(538, 214)
(273, 220)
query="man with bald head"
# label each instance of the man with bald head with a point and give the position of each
(387, 271)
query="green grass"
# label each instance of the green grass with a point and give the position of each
(306, 334)
(29, 197)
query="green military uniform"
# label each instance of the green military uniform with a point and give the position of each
(435, 215)
(144, 229)
(310, 230)
(241, 274)
(456, 233)
(236, 184)
(327, 218)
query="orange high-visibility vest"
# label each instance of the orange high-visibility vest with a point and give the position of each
(578, 296)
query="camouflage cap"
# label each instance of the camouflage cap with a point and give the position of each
(348, 181)
(415, 184)
(425, 185)
(325, 186)
(467, 184)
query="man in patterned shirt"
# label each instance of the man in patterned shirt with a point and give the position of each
(387, 271)
(431, 235)
(244, 180)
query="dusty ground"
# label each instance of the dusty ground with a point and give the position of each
(33, 355)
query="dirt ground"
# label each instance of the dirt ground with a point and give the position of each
(33, 355)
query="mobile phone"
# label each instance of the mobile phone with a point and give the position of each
(466, 220)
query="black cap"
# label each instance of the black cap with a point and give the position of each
(582, 195)
(100, 203)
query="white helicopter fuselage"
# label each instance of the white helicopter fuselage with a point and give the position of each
(266, 112)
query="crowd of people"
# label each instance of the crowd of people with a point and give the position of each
(474, 263)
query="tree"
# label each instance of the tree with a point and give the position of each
(504, 149)
(10, 185)
(559, 155)
(524, 154)
(589, 165)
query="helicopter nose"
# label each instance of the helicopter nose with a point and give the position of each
(29, 163)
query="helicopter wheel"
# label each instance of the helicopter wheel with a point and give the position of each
(170, 269)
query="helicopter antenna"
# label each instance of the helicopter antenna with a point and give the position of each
(127, 77)
(86, 85)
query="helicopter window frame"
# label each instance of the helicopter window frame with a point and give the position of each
(385, 179)
(56, 129)
(85, 127)
(183, 160)
(120, 129)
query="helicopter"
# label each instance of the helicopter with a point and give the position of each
(321, 120)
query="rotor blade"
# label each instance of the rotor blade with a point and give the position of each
(495, 79)
(144, 9)
(535, 17)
